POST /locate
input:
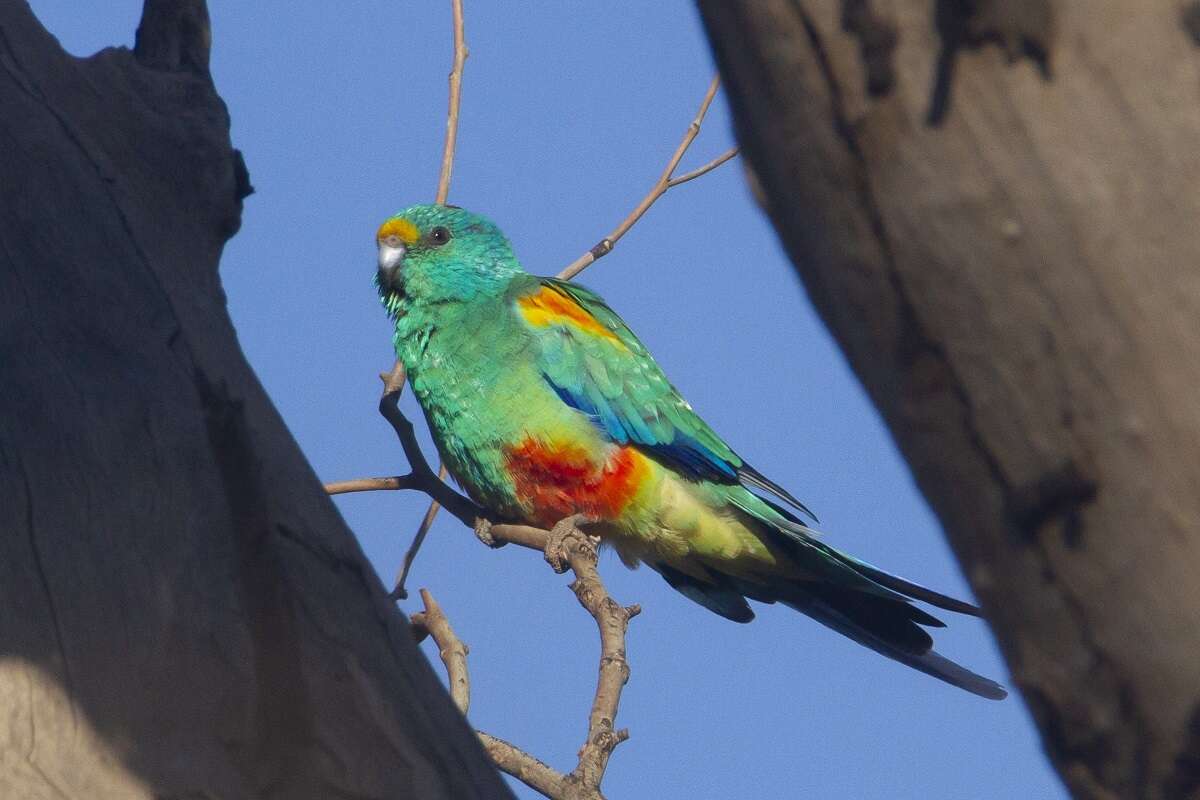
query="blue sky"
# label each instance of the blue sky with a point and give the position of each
(570, 111)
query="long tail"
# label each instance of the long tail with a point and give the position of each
(891, 626)
(890, 629)
(856, 599)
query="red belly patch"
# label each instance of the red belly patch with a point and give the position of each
(556, 480)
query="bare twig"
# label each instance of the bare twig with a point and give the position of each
(422, 477)
(568, 542)
(664, 182)
(506, 756)
(460, 59)
(450, 648)
(612, 620)
(707, 168)
(364, 485)
(393, 382)
(410, 555)
(532, 772)
(565, 542)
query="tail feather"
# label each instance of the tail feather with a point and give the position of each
(854, 598)
(796, 533)
(901, 585)
(928, 661)
(714, 596)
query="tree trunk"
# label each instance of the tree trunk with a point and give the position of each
(995, 208)
(185, 614)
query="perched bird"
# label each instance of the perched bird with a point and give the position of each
(544, 405)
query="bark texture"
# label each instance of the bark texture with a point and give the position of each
(185, 614)
(996, 209)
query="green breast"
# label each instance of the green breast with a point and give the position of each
(474, 373)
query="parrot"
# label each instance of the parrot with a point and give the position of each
(544, 405)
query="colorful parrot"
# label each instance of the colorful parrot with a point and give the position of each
(544, 405)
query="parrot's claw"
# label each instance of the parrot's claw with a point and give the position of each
(556, 551)
(483, 532)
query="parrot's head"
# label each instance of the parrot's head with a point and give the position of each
(432, 254)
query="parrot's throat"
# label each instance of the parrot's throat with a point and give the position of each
(393, 302)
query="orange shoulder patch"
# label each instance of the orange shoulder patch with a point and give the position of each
(548, 306)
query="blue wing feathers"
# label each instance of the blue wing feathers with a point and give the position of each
(631, 400)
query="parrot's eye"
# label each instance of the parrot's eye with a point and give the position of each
(439, 236)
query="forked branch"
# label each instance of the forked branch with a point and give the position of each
(665, 182)
(612, 620)
(565, 547)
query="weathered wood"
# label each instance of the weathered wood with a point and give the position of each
(1003, 235)
(184, 612)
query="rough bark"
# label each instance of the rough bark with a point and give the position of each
(184, 612)
(994, 207)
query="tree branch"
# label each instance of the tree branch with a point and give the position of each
(533, 772)
(394, 381)
(410, 555)
(707, 168)
(612, 620)
(460, 59)
(565, 543)
(664, 182)
(365, 485)
(568, 543)
(453, 652)
(422, 477)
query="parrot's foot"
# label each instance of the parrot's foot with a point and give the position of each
(556, 551)
(483, 532)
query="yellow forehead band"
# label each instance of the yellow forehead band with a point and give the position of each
(401, 228)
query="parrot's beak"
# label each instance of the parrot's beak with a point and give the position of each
(391, 256)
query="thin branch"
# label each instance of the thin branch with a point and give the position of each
(612, 621)
(704, 170)
(399, 592)
(451, 649)
(664, 182)
(579, 551)
(394, 381)
(460, 59)
(564, 546)
(532, 772)
(364, 485)
(422, 477)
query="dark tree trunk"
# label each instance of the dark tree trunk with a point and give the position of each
(995, 206)
(184, 613)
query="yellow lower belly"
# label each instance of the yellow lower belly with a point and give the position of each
(688, 526)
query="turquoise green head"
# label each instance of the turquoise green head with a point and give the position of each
(432, 254)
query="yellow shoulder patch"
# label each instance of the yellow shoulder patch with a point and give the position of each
(401, 228)
(548, 306)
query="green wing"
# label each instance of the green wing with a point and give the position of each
(596, 365)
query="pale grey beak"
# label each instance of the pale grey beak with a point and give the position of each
(391, 255)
